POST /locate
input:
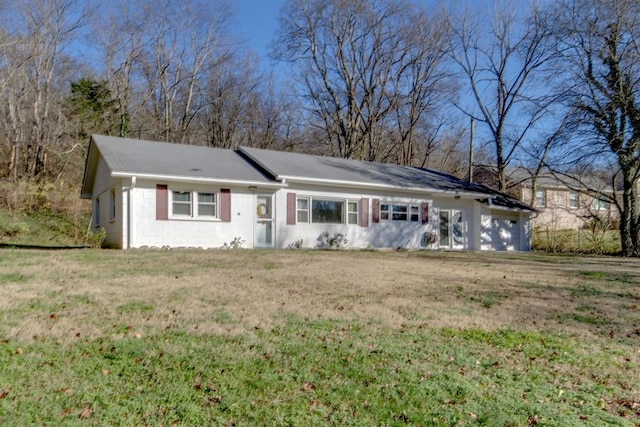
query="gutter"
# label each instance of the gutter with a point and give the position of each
(261, 184)
(340, 183)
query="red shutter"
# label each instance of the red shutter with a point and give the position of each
(291, 208)
(364, 212)
(162, 202)
(225, 205)
(375, 211)
(425, 213)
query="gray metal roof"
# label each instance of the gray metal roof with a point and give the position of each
(306, 167)
(138, 157)
(302, 167)
(127, 156)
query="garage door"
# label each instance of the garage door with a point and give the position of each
(505, 233)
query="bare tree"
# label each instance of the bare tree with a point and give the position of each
(37, 33)
(158, 57)
(362, 73)
(599, 49)
(503, 61)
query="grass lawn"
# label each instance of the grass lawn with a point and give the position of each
(248, 337)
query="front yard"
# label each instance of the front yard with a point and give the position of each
(248, 337)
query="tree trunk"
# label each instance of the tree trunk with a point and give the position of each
(629, 216)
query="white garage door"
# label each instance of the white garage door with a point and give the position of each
(505, 233)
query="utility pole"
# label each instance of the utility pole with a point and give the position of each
(471, 150)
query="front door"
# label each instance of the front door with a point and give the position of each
(451, 229)
(264, 221)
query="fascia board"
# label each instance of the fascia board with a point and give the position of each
(340, 183)
(192, 179)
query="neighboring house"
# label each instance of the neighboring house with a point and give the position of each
(562, 202)
(171, 195)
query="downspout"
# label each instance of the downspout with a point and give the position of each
(130, 221)
(130, 234)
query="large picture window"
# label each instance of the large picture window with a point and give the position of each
(190, 204)
(327, 211)
(318, 210)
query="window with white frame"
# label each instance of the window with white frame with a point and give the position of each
(302, 209)
(206, 204)
(192, 204)
(319, 210)
(573, 200)
(385, 211)
(541, 199)
(399, 212)
(415, 214)
(112, 204)
(352, 212)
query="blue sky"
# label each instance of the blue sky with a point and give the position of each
(256, 22)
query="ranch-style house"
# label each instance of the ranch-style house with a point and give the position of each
(156, 194)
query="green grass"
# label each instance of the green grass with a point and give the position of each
(42, 228)
(98, 337)
(311, 373)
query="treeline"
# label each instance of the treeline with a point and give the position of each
(549, 85)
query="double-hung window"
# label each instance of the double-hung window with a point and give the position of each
(302, 209)
(352, 212)
(206, 204)
(193, 204)
(573, 200)
(541, 199)
(415, 214)
(385, 210)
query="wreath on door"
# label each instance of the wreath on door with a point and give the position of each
(262, 210)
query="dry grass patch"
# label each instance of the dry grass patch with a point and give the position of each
(477, 332)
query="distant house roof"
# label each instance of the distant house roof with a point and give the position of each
(252, 166)
(520, 176)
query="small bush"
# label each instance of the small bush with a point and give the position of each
(96, 238)
(326, 241)
(236, 243)
(295, 245)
